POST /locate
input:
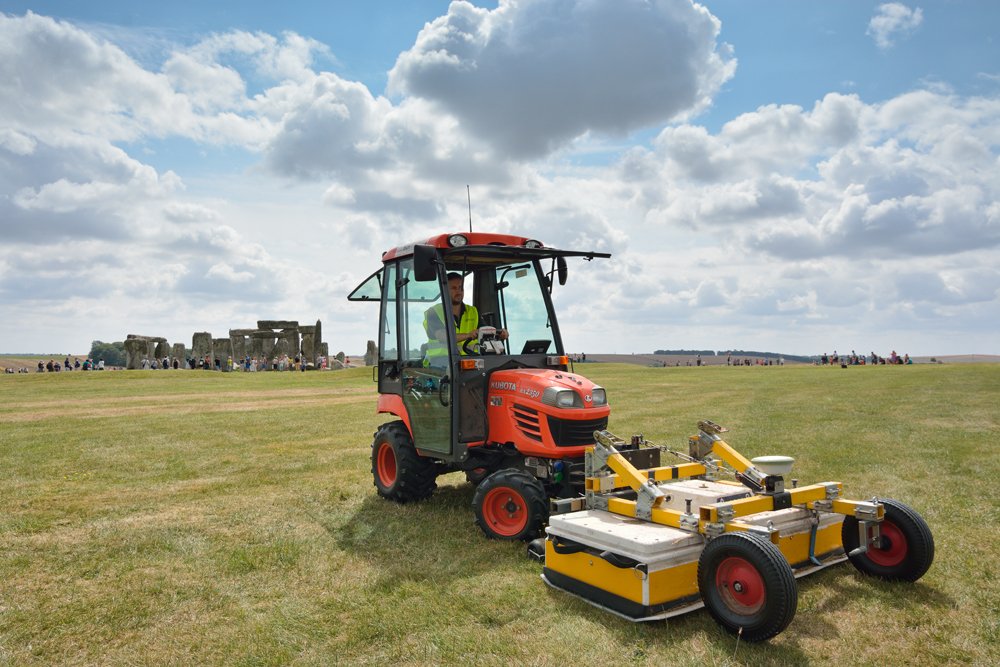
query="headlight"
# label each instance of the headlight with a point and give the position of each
(532, 243)
(457, 241)
(599, 396)
(561, 398)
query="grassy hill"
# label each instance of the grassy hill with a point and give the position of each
(155, 517)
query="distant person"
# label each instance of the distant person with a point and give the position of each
(100, 364)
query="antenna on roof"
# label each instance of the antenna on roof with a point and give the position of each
(469, 195)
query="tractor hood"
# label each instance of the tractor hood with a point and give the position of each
(532, 383)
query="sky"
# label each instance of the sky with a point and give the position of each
(773, 175)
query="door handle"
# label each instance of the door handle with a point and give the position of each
(442, 396)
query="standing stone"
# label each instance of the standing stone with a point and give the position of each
(308, 344)
(324, 350)
(178, 353)
(288, 343)
(201, 345)
(161, 350)
(135, 351)
(371, 354)
(223, 348)
(239, 344)
(341, 357)
(262, 344)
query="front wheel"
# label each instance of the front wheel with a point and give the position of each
(905, 547)
(747, 586)
(510, 504)
(400, 473)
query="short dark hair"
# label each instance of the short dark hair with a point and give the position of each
(454, 275)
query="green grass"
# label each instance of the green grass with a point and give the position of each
(153, 517)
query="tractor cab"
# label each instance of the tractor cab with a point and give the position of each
(441, 387)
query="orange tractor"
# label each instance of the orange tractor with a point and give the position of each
(639, 539)
(508, 412)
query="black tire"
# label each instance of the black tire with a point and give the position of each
(906, 546)
(747, 586)
(400, 473)
(511, 505)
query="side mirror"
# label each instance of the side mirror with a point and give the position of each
(424, 260)
(562, 269)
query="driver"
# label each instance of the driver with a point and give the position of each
(465, 317)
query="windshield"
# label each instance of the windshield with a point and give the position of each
(522, 302)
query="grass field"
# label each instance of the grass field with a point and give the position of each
(160, 517)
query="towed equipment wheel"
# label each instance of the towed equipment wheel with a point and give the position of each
(400, 473)
(510, 504)
(905, 547)
(747, 586)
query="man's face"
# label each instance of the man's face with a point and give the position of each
(457, 288)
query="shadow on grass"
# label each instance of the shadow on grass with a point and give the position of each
(434, 540)
(842, 587)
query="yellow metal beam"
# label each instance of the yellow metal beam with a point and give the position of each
(849, 507)
(660, 474)
(724, 451)
(756, 504)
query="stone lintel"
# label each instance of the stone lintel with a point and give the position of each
(277, 324)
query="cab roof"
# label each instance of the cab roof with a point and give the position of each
(487, 246)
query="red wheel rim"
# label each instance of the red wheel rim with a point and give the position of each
(892, 546)
(385, 464)
(740, 586)
(505, 511)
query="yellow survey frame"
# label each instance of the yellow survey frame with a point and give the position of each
(659, 474)
(628, 474)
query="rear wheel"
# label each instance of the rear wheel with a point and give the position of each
(400, 473)
(905, 547)
(510, 505)
(747, 586)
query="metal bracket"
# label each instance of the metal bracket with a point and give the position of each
(725, 512)
(866, 512)
(864, 538)
(689, 522)
(596, 501)
(832, 491)
(649, 495)
(604, 448)
(713, 530)
(823, 505)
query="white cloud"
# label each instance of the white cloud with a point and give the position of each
(532, 75)
(892, 20)
(816, 221)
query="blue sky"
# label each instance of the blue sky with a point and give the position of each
(789, 176)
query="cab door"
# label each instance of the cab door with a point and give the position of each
(427, 389)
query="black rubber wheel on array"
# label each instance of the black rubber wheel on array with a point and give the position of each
(400, 473)
(536, 549)
(511, 505)
(905, 548)
(747, 586)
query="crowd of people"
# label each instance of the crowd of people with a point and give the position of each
(52, 366)
(855, 359)
(248, 364)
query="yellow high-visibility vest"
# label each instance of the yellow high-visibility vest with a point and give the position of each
(468, 324)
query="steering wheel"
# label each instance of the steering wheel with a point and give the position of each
(470, 341)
